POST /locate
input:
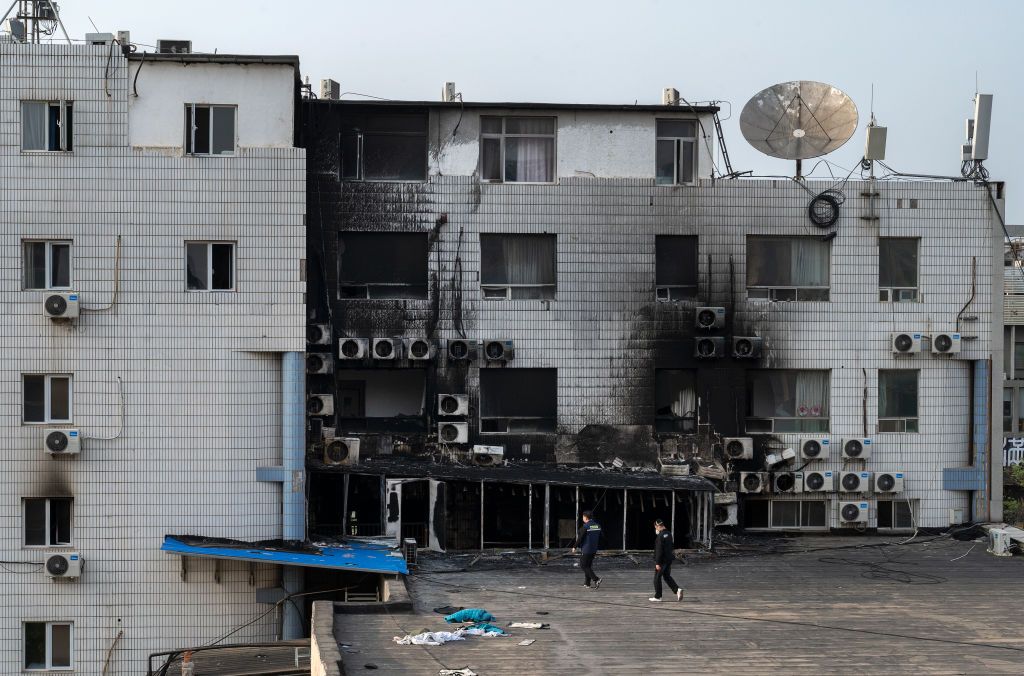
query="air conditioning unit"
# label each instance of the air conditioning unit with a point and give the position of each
(319, 363)
(853, 513)
(738, 448)
(709, 348)
(946, 343)
(174, 46)
(353, 348)
(488, 455)
(62, 564)
(499, 350)
(387, 348)
(61, 305)
(453, 432)
(320, 404)
(786, 455)
(318, 334)
(709, 318)
(787, 482)
(725, 515)
(889, 482)
(753, 482)
(747, 347)
(906, 343)
(857, 449)
(855, 482)
(460, 349)
(62, 442)
(419, 349)
(819, 482)
(815, 448)
(341, 451)
(453, 404)
(999, 542)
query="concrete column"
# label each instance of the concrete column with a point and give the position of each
(293, 488)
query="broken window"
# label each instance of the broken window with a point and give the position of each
(210, 266)
(46, 398)
(676, 151)
(382, 265)
(517, 149)
(787, 268)
(47, 265)
(787, 401)
(209, 130)
(47, 645)
(47, 522)
(897, 400)
(895, 514)
(518, 400)
(389, 146)
(675, 401)
(516, 267)
(897, 269)
(46, 125)
(381, 400)
(790, 514)
(675, 267)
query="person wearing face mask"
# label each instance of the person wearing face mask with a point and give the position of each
(663, 557)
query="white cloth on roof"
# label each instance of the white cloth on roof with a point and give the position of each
(430, 638)
(457, 672)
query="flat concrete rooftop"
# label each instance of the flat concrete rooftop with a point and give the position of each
(828, 605)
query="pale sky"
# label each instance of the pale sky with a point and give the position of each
(921, 55)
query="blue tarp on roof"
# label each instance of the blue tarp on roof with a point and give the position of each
(354, 556)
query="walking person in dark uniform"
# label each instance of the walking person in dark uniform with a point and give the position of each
(663, 558)
(588, 541)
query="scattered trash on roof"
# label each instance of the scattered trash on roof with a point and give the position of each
(529, 625)
(465, 671)
(527, 641)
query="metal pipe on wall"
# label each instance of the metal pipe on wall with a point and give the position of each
(293, 488)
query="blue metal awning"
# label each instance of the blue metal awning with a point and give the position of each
(357, 557)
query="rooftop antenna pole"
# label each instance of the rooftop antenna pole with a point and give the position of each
(40, 17)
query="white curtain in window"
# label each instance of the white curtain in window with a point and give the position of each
(810, 262)
(685, 402)
(812, 394)
(530, 159)
(528, 260)
(33, 125)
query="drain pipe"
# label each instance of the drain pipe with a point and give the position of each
(293, 507)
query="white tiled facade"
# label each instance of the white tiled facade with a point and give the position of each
(201, 372)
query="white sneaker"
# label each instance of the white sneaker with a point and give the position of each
(679, 594)
(654, 599)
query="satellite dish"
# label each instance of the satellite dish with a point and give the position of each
(798, 120)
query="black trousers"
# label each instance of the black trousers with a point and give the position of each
(664, 574)
(587, 565)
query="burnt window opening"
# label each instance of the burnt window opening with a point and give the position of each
(389, 146)
(210, 266)
(675, 267)
(895, 514)
(676, 152)
(46, 264)
(675, 401)
(898, 264)
(642, 508)
(380, 265)
(898, 400)
(47, 522)
(787, 268)
(47, 126)
(518, 267)
(209, 130)
(514, 401)
(787, 401)
(381, 400)
(517, 149)
(462, 515)
(507, 515)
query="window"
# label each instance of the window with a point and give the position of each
(676, 151)
(517, 267)
(210, 266)
(787, 268)
(787, 401)
(47, 265)
(897, 269)
(518, 400)
(381, 401)
(46, 125)
(895, 514)
(209, 130)
(388, 146)
(47, 398)
(675, 401)
(47, 645)
(517, 149)
(47, 522)
(382, 265)
(675, 268)
(897, 401)
(798, 514)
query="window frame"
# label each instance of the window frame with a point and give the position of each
(891, 294)
(676, 153)
(800, 515)
(912, 506)
(669, 297)
(360, 139)
(209, 265)
(903, 422)
(48, 418)
(508, 428)
(347, 288)
(780, 293)
(65, 140)
(489, 292)
(49, 624)
(770, 429)
(190, 131)
(502, 135)
(48, 265)
(671, 423)
(48, 512)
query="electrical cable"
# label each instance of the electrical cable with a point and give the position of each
(120, 428)
(369, 96)
(135, 80)
(117, 280)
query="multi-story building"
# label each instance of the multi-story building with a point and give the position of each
(571, 285)
(152, 254)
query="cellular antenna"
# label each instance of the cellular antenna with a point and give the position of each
(32, 20)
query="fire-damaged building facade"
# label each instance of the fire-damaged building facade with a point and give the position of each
(520, 311)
